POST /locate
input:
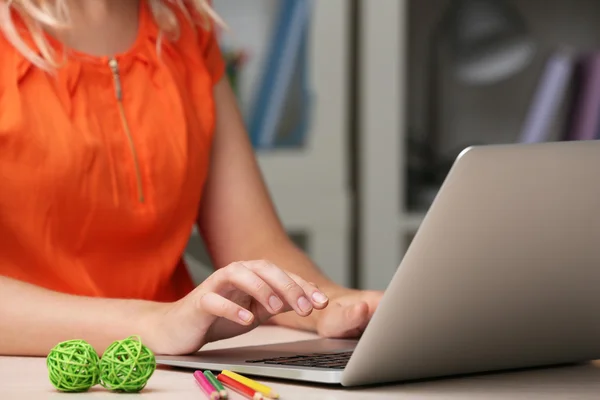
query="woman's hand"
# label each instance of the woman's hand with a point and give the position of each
(348, 314)
(233, 300)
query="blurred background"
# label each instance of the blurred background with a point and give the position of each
(357, 108)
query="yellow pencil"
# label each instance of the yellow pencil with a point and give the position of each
(259, 387)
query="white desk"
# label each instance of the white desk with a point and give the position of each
(26, 379)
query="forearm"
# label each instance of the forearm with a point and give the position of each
(33, 319)
(237, 218)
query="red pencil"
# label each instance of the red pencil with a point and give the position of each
(240, 388)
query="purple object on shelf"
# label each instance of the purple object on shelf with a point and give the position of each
(587, 113)
(548, 97)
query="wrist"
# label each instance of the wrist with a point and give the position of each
(144, 320)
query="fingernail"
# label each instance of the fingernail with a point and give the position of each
(319, 297)
(245, 315)
(275, 303)
(304, 304)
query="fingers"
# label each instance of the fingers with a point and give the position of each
(302, 296)
(219, 306)
(242, 278)
(319, 299)
(276, 290)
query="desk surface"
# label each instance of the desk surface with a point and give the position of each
(27, 378)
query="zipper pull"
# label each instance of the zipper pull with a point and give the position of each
(114, 66)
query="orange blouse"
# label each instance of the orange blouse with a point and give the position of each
(102, 166)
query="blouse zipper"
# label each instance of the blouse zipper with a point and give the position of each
(114, 66)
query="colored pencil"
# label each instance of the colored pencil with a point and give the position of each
(215, 382)
(240, 388)
(259, 387)
(206, 386)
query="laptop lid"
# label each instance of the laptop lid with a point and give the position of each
(503, 273)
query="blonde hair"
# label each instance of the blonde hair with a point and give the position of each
(39, 15)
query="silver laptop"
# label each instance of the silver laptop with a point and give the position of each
(503, 273)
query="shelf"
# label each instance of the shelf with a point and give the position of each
(308, 169)
(382, 41)
(394, 43)
(308, 184)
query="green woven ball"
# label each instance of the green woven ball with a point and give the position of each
(73, 366)
(126, 365)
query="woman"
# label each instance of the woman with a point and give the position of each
(118, 133)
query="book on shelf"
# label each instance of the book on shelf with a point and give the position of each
(280, 108)
(586, 113)
(549, 96)
(572, 81)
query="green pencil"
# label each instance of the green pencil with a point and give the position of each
(215, 382)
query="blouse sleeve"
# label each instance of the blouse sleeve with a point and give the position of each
(211, 53)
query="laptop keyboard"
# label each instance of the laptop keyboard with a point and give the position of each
(319, 360)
